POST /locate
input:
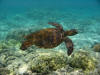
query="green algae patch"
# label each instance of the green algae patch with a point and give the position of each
(83, 60)
(4, 71)
(48, 61)
(8, 44)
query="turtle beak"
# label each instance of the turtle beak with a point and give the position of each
(74, 31)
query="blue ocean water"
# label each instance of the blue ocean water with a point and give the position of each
(18, 17)
(80, 14)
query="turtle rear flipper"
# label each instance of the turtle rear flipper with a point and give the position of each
(56, 25)
(69, 45)
(26, 44)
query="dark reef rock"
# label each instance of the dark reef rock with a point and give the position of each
(4, 71)
(96, 47)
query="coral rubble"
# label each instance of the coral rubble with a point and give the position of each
(47, 62)
(83, 60)
(96, 47)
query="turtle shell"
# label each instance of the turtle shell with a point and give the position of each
(46, 38)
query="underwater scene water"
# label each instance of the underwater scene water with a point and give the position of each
(49, 37)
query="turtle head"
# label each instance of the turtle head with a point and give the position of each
(70, 32)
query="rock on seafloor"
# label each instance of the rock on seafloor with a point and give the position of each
(96, 47)
(83, 60)
(49, 61)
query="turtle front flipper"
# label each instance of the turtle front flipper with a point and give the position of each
(56, 25)
(69, 45)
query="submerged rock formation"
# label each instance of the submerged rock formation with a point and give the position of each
(83, 60)
(96, 47)
(48, 62)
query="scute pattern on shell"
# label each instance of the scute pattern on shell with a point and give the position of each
(46, 38)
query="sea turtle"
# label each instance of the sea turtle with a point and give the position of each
(50, 38)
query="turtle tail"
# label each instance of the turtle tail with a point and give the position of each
(26, 44)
